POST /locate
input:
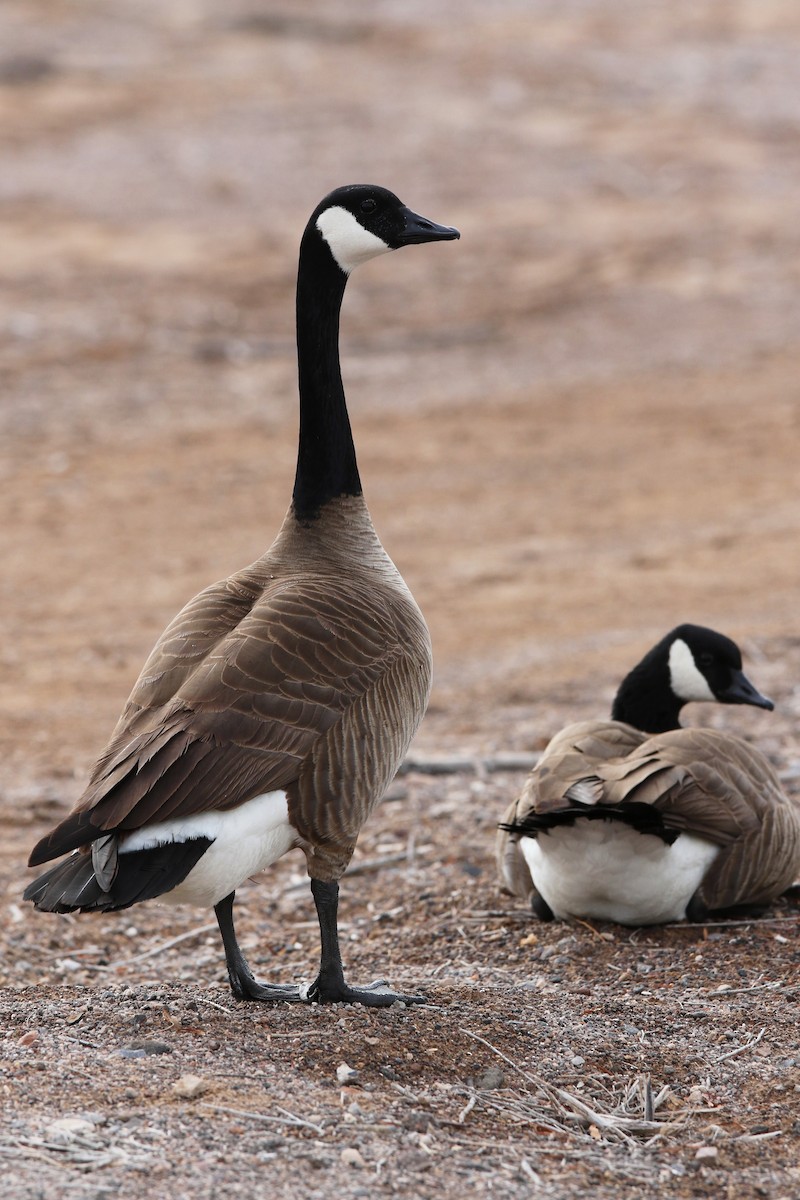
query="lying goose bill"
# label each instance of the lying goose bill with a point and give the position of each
(741, 691)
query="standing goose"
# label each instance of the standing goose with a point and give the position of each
(276, 707)
(638, 820)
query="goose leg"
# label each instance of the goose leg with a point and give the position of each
(540, 907)
(243, 983)
(329, 987)
(697, 910)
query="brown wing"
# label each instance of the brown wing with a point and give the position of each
(242, 686)
(703, 782)
(734, 798)
(574, 763)
(760, 865)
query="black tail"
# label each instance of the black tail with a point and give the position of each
(72, 886)
(644, 818)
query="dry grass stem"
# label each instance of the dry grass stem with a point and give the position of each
(288, 1119)
(748, 1045)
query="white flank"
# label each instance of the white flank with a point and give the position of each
(606, 870)
(686, 679)
(350, 243)
(245, 840)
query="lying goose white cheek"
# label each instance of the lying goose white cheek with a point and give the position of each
(686, 680)
(349, 242)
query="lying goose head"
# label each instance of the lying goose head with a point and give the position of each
(690, 663)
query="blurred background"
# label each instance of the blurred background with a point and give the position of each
(576, 427)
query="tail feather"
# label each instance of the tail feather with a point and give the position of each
(73, 886)
(67, 886)
(644, 818)
(75, 830)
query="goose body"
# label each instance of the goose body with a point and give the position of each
(642, 821)
(276, 707)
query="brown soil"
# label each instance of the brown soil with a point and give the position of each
(576, 428)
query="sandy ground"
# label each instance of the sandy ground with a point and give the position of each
(576, 428)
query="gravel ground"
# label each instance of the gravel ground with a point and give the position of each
(128, 1065)
(576, 428)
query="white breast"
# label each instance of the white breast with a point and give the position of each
(606, 870)
(245, 840)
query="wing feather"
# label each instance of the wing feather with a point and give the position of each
(242, 693)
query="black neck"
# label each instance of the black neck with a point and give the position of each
(646, 700)
(326, 457)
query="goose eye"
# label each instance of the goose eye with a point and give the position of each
(368, 206)
(706, 660)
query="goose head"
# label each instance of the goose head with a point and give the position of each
(361, 221)
(690, 663)
(705, 665)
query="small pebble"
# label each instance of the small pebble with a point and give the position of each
(189, 1087)
(351, 1158)
(144, 1049)
(707, 1152)
(346, 1074)
(69, 1127)
(491, 1078)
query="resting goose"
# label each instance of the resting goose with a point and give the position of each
(640, 821)
(276, 707)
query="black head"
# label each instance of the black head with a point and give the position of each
(705, 665)
(361, 221)
(690, 663)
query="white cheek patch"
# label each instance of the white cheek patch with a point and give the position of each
(349, 242)
(686, 680)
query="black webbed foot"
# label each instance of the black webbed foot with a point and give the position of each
(243, 983)
(373, 995)
(328, 988)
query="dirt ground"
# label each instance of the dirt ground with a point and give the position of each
(576, 428)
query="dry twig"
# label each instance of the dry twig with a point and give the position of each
(570, 1108)
(288, 1119)
(741, 1049)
